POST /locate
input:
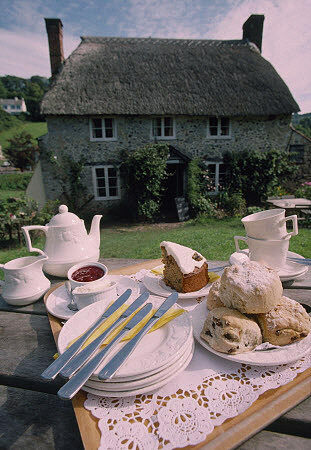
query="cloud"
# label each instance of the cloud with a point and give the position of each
(26, 53)
(286, 39)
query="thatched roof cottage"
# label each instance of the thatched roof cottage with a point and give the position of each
(202, 97)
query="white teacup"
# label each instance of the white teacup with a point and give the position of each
(269, 224)
(272, 252)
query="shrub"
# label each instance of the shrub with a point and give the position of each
(144, 171)
(304, 190)
(15, 181)
(16, 212)
(256, 174)
(234, 205)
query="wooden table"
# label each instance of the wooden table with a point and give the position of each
(33, 417)
(291, 205)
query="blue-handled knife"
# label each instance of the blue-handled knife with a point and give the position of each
(56, 366)
(119, 359)
(77, 381)
(77, 361)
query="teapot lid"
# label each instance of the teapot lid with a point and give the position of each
(64, 218)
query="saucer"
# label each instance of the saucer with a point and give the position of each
(56, 303)
(290, 271)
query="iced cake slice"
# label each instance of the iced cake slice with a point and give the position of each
(185, 270)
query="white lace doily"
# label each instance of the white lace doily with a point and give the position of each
(187, 409)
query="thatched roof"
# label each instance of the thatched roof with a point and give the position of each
(146, 76)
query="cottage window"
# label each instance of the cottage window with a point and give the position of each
(18, 107)
(217, 175)
(103, 129)
(218, 127)
(106, 181)
(163, 127)
(296, 153)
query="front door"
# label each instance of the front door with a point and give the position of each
(174, 187)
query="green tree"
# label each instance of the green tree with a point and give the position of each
(144, 171)
(22, 151)
(3, 90)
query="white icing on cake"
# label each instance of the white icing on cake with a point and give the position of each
(183, 256)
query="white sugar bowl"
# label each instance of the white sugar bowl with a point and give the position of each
(94, 292)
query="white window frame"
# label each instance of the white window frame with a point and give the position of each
(217, 165)
(218, 135)
(162, 137)
(95, 187)
(106, 139)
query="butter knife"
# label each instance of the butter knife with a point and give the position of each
(119, 359)
(77, 381)
(56, 366)
(77, 361)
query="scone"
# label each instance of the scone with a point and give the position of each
(286, 323)
(213, 297)
(250, 288)
(228, 331)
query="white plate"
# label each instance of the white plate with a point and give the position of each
(290, 271)
(57, 301)
(142, 390)
(273, 357)
(156, 285)
(155, 351)
(111, 385)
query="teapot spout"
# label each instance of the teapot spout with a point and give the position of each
(94, 231)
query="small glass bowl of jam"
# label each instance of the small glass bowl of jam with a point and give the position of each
(86, 272)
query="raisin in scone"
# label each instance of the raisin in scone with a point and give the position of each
(250, 288)
(284, 324)
(228, 331)
(213, 297)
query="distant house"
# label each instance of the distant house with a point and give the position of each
(202, 97)
(13, 105)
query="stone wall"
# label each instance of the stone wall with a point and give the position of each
(72, 135)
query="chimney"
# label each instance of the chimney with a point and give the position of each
(54, 28)
(252, 29)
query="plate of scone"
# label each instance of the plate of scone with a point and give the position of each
(247, 318)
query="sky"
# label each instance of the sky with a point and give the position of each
(286, 33)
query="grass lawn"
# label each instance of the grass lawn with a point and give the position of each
(36, 129)
(213, 239)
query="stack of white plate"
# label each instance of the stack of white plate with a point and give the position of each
(158, 358)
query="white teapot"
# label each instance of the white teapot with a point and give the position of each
(67, 242)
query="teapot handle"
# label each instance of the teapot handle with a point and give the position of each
(28, 240)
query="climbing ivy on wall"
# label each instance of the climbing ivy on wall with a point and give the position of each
(144, 171)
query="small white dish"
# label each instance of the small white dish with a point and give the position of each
(80, 266)
(56, 302)
(156, 285)
(285, 355)
(90, 293)
(290, 271)
(155, 351)
(141, 390)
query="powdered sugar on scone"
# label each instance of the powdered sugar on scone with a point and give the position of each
(250, 288)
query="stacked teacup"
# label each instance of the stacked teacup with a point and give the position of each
(267, 236)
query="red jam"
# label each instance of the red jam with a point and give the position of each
(87, 273)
